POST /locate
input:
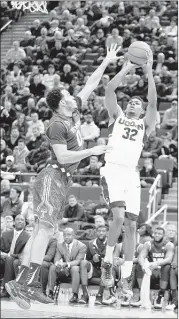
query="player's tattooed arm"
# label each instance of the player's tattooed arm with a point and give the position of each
(110, 97)
(96, 76)
(151, 113)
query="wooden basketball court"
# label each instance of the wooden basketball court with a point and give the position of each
(9, 309)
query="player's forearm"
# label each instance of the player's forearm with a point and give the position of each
(141, 258)
(95, 78)
(69, 157)
(152, 92)
(166, 261)
(119, 78)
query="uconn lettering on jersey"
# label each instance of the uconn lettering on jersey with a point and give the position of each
(131, 123)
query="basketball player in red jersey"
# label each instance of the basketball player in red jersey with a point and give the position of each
(54, 181)
(126, 134)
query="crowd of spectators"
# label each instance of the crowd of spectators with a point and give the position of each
(61, 52)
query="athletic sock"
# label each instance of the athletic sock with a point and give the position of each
(174, 295)
(100, 291)
(22, 275)
(111, 291)
(161, 292)
(85, 290)
(126, 269)
(33, 275)
(109, 254)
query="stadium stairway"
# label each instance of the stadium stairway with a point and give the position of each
(16, 31)
(171, 200)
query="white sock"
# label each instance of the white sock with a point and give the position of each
(109, 254)
(126, 269)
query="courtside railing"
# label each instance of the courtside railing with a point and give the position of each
(5, 26)
(153, 193)
(163, 210)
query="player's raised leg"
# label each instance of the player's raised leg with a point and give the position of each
(13, 287)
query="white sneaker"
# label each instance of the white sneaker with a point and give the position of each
(158, 303)
(125, 301)
(126, 288)
(136, 303)
(110, 300)
(170, 307)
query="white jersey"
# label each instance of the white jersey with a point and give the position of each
(126, 139)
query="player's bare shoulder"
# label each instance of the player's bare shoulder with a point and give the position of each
(169, 246)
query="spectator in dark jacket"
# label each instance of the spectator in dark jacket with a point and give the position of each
(37, 159)
(152, 146)
(92, 169)
(24, 99)
(73, 212)
(91, 267)
(47, 261)
(13, 139)
(8, 170)
(28, 41)
(12, 244)
(7, 116)
(149, 172)
(37, 139)
(36, 87)
(12, 206)
(36, 28)
(4, 152)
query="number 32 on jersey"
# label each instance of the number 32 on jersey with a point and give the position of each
(130, 134)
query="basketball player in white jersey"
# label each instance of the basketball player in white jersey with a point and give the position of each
(126, 134)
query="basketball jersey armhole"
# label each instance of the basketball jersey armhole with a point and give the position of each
(55, 121)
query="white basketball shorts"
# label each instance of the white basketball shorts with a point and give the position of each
(123, 187)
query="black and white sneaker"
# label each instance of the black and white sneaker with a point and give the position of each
(98, 300)
(35, 293)
(15, 290)
(106, 275)
(158, 302)
(84, 300)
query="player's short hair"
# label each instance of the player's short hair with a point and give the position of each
(102, 226)
(53, 99)
(138, 98)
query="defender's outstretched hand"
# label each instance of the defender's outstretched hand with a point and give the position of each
(112, 53)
